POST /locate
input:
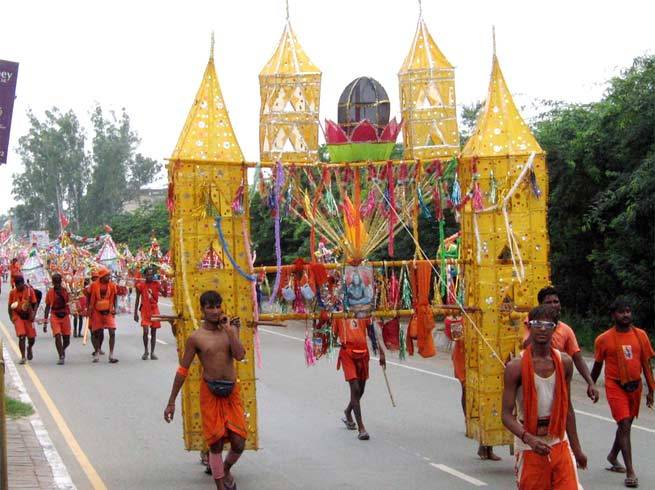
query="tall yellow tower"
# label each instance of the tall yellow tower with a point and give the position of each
(505, 248)
(290, 88)
(427, 100)
(204, 176)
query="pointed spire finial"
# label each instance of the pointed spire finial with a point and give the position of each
(287, 6)
(211, 47)
(493, 37)
(420, 9)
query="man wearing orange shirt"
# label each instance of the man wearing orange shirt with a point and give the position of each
(354, 358)
(56, 301)
(102, 313)
(22, 308)
(626, 351)
(564, 339)
(147, 302)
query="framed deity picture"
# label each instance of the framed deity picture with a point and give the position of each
(359, 289)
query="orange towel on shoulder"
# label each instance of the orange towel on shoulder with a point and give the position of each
(221, 414)
(560, 409)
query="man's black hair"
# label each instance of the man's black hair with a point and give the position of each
(547, 291)
(543, 312)
(18, 280)
(210, 298)
(56, 276)
(619, 304)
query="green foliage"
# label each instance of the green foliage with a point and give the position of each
(58, 171)
(136, 228)
(16, 408)
(601, 160)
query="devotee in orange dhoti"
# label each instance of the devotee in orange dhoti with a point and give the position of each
(56, 302)
(537, 385)
(217, 345)
(102, 313)
(147, 302)
(22, 308)
(626, 351)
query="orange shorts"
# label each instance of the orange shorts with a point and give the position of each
(622, 404)
(353, 367)
(24, 328)
(147, 321)
(100, 321)
(60, 325)
(554, 472)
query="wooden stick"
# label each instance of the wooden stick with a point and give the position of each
(386, 380)
(86, 330)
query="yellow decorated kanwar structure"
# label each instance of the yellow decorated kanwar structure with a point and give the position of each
(504, 248)
(205, 172)
(502, 206)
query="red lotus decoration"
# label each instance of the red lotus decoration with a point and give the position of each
(364, 142)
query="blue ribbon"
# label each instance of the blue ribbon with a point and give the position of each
(221, 237)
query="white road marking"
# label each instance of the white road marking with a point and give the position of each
(162, 342)
(607, 419)
(459, 474)
(439, 375)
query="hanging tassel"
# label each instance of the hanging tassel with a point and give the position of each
(534, 185)
(373, 174)
(237, 203)
(402, 352)
(421, 202)
(368, 206)
(394, 290)
(442, 257)
(406, 294)
(476, 199)
(330, 203)
(370, 329)
(392, 210)
(279, 180)
(310, 358)
(436, 201)
(456, 193)
(403, 174)
(493, 188)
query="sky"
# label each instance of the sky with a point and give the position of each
(149, 57)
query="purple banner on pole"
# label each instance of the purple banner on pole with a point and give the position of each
(8, 74)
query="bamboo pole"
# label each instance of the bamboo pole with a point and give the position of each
(438, 310)
(330, 266)
(316, 164)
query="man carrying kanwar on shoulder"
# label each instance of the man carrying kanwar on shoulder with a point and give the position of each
(538, 386)
(102, 313)
(217, 345)
(354, 359)
(22, 308)
(626, 351)
(56, 302)
(147, 301)
(564, 339)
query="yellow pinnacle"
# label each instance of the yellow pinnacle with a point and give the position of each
(500, 129)
(289, 57)
(424, 53)
(208, 133)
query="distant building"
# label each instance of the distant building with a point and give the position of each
(145, 197)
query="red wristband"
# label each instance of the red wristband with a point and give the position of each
(182, 371)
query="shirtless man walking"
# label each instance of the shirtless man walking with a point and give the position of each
(217, 345)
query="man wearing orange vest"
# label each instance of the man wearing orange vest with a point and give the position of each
(626, 351)
(354, 358)
(102, 313)
(22, 308)
(147, 302)
(56, 302)
(537, 385)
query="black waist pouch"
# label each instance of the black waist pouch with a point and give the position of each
(221, 388)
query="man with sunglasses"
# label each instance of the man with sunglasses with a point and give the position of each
(626, 351)
(564, 339)
(538, 386)
(217, 345)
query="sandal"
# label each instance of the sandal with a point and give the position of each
(153, 357)
(113, 360)
(363, 436)
(616, 468)
(350, 425)
(631, 482)
(144, 356)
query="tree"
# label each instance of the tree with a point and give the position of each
(469, 118)
(55, 171)
(119, 171)
(601, 160)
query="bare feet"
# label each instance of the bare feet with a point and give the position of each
(30, 356)
(144, 356)
(153, 357)
(363, 435)
(615, 466)
(22, 361)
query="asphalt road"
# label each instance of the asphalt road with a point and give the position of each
(115, 412)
